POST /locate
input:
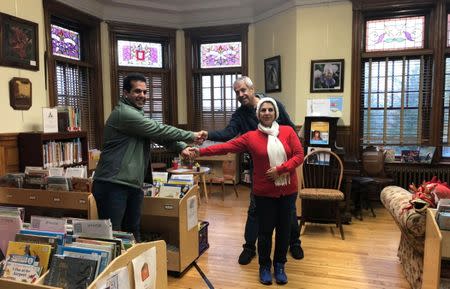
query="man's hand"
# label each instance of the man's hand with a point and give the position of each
(200, 137)
(195, 152)
(187, 153)
(272, 173)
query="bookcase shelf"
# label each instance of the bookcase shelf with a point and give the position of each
(169, 217)
(81, 203)
(31, 147)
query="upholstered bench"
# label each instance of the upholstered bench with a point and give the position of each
(412, 227)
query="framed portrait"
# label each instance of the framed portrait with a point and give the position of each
(19, 45)
(20, 93)
(327, 75)
(272, 74)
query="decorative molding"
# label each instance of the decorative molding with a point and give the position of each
(195, 14)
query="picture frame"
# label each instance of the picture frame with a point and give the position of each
(20, 92)
(19, 43)
(327, 75)
(272, 74)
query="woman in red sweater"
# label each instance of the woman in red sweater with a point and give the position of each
(276, 152)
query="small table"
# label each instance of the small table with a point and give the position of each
(202, 175)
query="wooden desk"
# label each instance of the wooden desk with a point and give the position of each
(201, 174)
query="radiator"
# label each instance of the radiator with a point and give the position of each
(406, 175)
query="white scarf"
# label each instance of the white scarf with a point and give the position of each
(275, 151)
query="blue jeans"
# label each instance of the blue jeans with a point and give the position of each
(251, 226)
(121, 204)
(274, 214)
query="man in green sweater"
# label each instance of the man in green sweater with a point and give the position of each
(125, 156)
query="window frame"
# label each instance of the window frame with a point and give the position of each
(194, 37)
(165, 36)
(435, 42)
(89, 28)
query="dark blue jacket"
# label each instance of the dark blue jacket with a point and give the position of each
(244, 119)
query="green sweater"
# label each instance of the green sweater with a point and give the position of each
(126, 151)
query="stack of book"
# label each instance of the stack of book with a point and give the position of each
(71, 252)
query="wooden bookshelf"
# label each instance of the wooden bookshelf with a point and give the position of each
(68, 203)
(31, 146)
(169, 217)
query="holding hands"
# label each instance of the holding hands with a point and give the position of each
(200, 137)
(190, 153)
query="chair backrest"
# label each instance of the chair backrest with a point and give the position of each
(373, 162)
(322, 168)
(229, 167)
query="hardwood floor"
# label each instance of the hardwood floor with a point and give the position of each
(365, 259)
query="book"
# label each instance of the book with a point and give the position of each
(426, 154)
(410, 156)
(60, 237)
(319, 132)
(85, 253)
(389, 155)
(71, 272)
(41, 252)
(22, 272)
(9, 227)
(319, 158)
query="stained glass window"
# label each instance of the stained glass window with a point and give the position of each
(217, 55)
(140, 54)
(65, 42)
(395, 33)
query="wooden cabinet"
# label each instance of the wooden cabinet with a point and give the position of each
(215, 164)
(176, 221)
(437, 248)
(64, 203)
(34, 149)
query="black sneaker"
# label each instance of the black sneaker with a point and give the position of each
(296, 252)
(246, 256)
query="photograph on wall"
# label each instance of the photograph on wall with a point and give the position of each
(272, 74)
(19, 44)
(327, 75)
(320, 131)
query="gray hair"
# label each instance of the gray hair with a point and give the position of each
(246, 80)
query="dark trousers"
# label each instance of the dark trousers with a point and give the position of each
(121, 204)
(251, 226)
(274, 213)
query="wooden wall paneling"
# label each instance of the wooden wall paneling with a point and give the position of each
(9, 153)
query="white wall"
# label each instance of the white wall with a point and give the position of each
(298, 35)
(27, 120)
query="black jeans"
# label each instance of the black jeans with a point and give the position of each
(274, 213)
(121, 204)
(251, 226)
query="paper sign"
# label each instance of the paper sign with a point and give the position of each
(93, 228)
(48, 224)
(50, 119)
(192, 217)
(144, 267)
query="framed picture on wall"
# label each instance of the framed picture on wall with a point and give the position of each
(19, 45)
(272, 74)
(327, 75)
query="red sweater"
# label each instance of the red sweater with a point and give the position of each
(255, 142)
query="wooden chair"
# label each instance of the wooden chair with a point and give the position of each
(228, 173)
(322, 172)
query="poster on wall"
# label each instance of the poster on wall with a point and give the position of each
(320, 131)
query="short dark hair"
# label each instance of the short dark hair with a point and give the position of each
(132, 77)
